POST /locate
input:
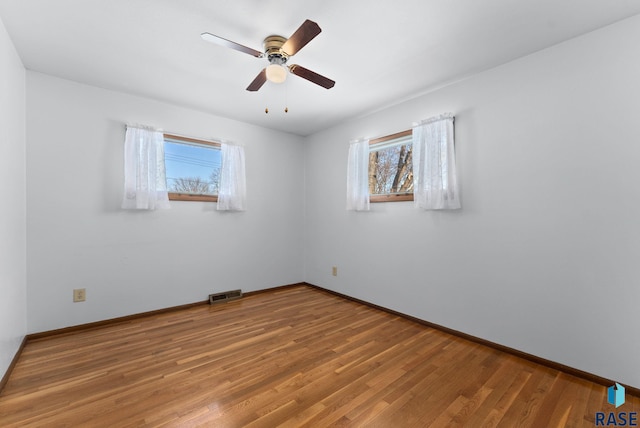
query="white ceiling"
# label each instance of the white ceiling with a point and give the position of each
(378, 52)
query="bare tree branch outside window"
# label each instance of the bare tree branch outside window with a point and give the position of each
(391, 170)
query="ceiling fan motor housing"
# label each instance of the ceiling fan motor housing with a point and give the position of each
(273, 50)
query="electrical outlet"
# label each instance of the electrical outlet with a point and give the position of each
(79, 294)
(334, 271)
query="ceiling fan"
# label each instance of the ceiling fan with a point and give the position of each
(278, 50)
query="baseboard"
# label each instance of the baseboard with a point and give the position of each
(103, 323)
(272, 289)
(13, 363)
(107, 322)
(530, 357)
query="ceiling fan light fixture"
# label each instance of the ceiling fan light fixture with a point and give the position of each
(276, 73)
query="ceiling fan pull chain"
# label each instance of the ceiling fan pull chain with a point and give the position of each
(286, 97)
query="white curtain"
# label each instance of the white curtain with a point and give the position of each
(232, 192)
(434, 164)
(358, 176)
(145, 184)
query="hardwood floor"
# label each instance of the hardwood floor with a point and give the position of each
(293, 357)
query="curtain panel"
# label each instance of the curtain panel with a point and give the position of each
(145, 184)
(232, 192)
(434, 164)
(358, 176)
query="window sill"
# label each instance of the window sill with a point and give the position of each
(396, 197)
(191, 197)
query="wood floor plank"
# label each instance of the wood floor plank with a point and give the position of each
(295, 357)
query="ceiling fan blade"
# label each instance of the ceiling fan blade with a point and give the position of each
(258, 81)
(311, 76)
(229, 44)
(303, 35)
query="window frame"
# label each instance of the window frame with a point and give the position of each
(175, 196)
(390, 197)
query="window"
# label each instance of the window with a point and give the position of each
(192, 168)
(391, 168)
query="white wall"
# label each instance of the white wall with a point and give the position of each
(132, 262)
(13, 284)
(544, 256)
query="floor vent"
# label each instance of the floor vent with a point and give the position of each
(225, 296)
